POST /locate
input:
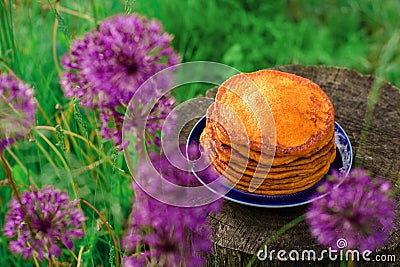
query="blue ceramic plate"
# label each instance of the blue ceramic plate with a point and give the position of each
(342, 162)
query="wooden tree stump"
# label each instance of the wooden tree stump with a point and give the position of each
(239, 231)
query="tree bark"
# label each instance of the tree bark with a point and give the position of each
(239, 231)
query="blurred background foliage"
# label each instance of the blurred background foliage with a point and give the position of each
(251, 35)
(248, 35)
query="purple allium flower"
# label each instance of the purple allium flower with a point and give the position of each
(167, 235)
(108, 65)
(360, 210)
(17, 109)
(46, 221)
(147, 115)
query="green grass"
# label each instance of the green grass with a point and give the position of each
(248, 36)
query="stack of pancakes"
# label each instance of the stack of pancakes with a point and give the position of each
(270, 133)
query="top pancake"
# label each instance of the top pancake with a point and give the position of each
(246, 104)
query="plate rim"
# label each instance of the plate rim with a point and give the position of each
(276, 206)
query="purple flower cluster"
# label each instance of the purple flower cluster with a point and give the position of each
(138, 119)
(17, 109)
(167, 235)
(45, 221)
(360, 210)
(107, 66)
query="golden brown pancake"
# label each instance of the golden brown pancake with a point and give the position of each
(242, 143)
(302, 112)
(222, 135)
(281, 171)
(308, 169)
(272, 192)
(291, 186)
(225, 152)
(228, 155)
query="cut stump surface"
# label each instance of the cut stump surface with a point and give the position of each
(239, 231)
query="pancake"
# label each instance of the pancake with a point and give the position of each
(295, 182)
(308, 169)
(222, 135)
(227, 154)
(240, 154)
(242, 144)
(282, 170)
(272, 192)
(303, 114)
(291, 186)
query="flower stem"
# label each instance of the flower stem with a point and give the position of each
(75, 13)
(109, 229)
(7, 171)
(5, 66)
(276, 235)
(36, 261)
(80, 256)
(55, 27)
